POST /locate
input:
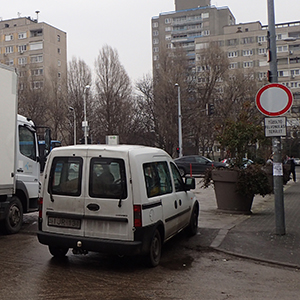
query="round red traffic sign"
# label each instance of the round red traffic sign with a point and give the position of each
(274, 99)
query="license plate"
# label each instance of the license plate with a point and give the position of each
(63, 222)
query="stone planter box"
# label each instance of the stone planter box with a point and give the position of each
(228, 200)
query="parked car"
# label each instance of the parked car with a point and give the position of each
(246, 162)
(297, 161)
(124, 200)
(195, 164)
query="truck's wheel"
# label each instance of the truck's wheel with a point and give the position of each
(58, 252)
(154, 254)
(14, 217)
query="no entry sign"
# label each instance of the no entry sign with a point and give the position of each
(274, 100)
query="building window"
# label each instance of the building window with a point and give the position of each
(37, 72)
(59, 63)
(282, 48)
(155, 57)
(168, 37)
(247, 40)
(59, 75)
(36, 59)
(155, 49)
(155, 24)
(233, 65)
(22, 61)
(58, 50)
(10, 62)
(58, 38)
(22, 48)
(155, 32)
(167, 29)
(261, 39)
(155, 41)
(232, 54)
(205, 15)
(9, 37)
(247, 52)
(168, 21)
(36, 46)
(22, 35)
(231, 42)
(247, 64)
(37, 85)
(37, 32)
(262, 51)
(9, 49)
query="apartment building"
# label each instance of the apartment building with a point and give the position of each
(192, 19)
(37, 50)
(246, 46)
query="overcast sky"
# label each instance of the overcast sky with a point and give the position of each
(126, 24)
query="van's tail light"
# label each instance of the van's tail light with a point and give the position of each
(137, 210)
(40, 207)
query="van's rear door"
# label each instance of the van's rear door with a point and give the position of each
(63, 203)
(108, 205)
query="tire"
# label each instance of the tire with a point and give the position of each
(14, 217)
(181, 171)
(192, 228)
(155, 248)
(58, 252)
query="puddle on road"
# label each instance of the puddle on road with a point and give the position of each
(177, 263)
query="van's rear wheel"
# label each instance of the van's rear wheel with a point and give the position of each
(14, 217)
(154, 254)
(58, 252)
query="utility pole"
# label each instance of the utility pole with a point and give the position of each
(276, 141)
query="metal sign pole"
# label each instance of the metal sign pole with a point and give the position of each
(276, 141)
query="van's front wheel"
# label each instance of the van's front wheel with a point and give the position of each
(58, 252)
(154, 254)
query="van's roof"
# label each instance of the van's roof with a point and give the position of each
(133, 149)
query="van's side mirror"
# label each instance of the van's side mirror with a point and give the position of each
(190, 183)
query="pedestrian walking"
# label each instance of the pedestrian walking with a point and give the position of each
(293, 165)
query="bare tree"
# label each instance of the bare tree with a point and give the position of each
(79, 76)
(212, 65)
(113, 106)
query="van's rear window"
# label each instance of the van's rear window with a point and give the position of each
(65, 176)
(107, 178)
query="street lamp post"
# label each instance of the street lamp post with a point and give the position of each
(85, 125)
(179, 122)
(74, 116)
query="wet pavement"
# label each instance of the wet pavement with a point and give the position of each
(251, 236)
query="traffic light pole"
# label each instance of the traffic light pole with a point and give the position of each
(276, 141)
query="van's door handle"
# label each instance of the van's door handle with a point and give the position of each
(20, 170)
(93, 207)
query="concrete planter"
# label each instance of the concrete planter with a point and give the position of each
(228, 200)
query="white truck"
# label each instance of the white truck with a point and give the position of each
(19, 157)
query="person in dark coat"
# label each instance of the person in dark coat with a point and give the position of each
(293, 165)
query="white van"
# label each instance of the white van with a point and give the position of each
(120, 199)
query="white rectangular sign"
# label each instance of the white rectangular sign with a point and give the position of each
(275, 126)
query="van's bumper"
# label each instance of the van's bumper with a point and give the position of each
(90, 244)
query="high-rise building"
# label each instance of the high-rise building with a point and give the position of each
(246, 46)
(37, 50)
(192, 19)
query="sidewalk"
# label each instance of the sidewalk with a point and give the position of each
(253, 236)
